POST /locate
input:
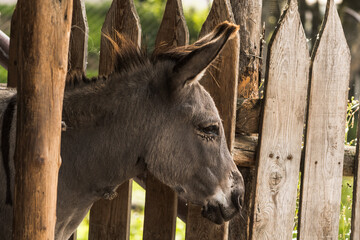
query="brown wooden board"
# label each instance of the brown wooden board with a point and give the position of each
(111, 219)
(325, 134)
(160, 211)
(41, 60)
(248, 15)
(122, 18)
(173, 31)
(221, 82)
(161, 201)
(355, 217)
(282, 129)
(78, 38)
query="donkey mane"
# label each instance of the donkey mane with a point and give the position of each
(128, 57)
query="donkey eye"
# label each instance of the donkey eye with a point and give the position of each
(211, 130)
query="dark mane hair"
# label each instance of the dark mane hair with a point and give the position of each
(126, 57)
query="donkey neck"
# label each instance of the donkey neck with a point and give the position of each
(104, 144)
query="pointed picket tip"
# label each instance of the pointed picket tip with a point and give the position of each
(287, 76)
(325, 133)
(331, 25)
(173, 30)
(122, 18)
(220, 11)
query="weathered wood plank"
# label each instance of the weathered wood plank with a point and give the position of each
(245, 151)
(78, 37)
(160, 211)
(221, 83)
(282, 129)
(41, 63)
(122, 18)
(161, 201)
(111, 219)
(355, 217)
(324, 145)
(248, 15)
(173, 30)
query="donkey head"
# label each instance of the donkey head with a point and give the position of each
(189, 152)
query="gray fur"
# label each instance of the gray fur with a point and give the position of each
(145, 117)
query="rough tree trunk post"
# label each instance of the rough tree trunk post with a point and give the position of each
(247, 14)
(41, 64)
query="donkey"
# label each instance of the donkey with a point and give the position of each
(151, 114)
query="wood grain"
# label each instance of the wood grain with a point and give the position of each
(122, 18)
(41, 62)
(282, 129)
(324, 146)
(78, 37)
(221, 83)
(161, 201)
(248, 15)
(160, 211)
(173, 30)
(355, 217)
(245, 148)
(111, 219)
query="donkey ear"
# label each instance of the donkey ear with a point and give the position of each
(192, 66)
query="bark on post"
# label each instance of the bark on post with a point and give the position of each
(42, 43)
(248, 15)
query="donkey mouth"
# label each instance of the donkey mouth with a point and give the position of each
(218, 213)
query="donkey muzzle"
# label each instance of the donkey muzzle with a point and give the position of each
(218, 213)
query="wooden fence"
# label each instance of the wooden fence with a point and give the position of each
(300, 91)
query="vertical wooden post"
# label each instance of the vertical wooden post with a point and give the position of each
(110, 220)
(78, 46)
(325, 133)
(282, 127)
(41, 62)
(224, 92)
(161, 201)
(247, 14)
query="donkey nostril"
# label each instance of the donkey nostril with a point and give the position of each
(237, 199)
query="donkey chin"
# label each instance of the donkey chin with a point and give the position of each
(220, 209)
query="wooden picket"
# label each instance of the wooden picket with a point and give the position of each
(161, 201)
(221, 83)
(325, 133)
(78, 48)
(111, 219)
(282, 129)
